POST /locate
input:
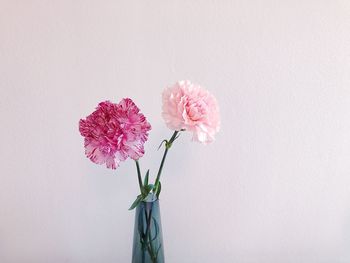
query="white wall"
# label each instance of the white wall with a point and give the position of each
(274, 187)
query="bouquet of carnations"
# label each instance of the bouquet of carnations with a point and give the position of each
(115, 132)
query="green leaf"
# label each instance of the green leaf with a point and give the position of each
(177, 136)
(164, 141)
(136, 202)
(145, 181)
(159, 188)
(147, 189)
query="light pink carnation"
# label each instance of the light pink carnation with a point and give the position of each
(114, 132)
(188, 106)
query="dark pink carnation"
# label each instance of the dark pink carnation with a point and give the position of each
(114, 132)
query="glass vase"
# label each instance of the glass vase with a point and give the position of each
(148, 238)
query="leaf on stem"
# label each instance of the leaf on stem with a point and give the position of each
(136, 202)
(159, 188)
(147, 189)
(177, 136)
(145, 181)
(164, 141)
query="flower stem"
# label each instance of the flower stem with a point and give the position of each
(139, 175)
(168, 145)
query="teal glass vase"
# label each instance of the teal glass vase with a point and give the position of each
(148, 240)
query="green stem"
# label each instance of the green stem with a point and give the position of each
(168, 144)
(148, 236)
(139, 175)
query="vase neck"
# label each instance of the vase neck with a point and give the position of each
(151, 197)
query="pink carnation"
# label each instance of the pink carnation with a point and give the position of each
(188, 106)
(114, 132)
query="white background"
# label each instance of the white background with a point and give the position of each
(274, 187)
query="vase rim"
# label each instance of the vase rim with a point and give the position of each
(151, 198)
